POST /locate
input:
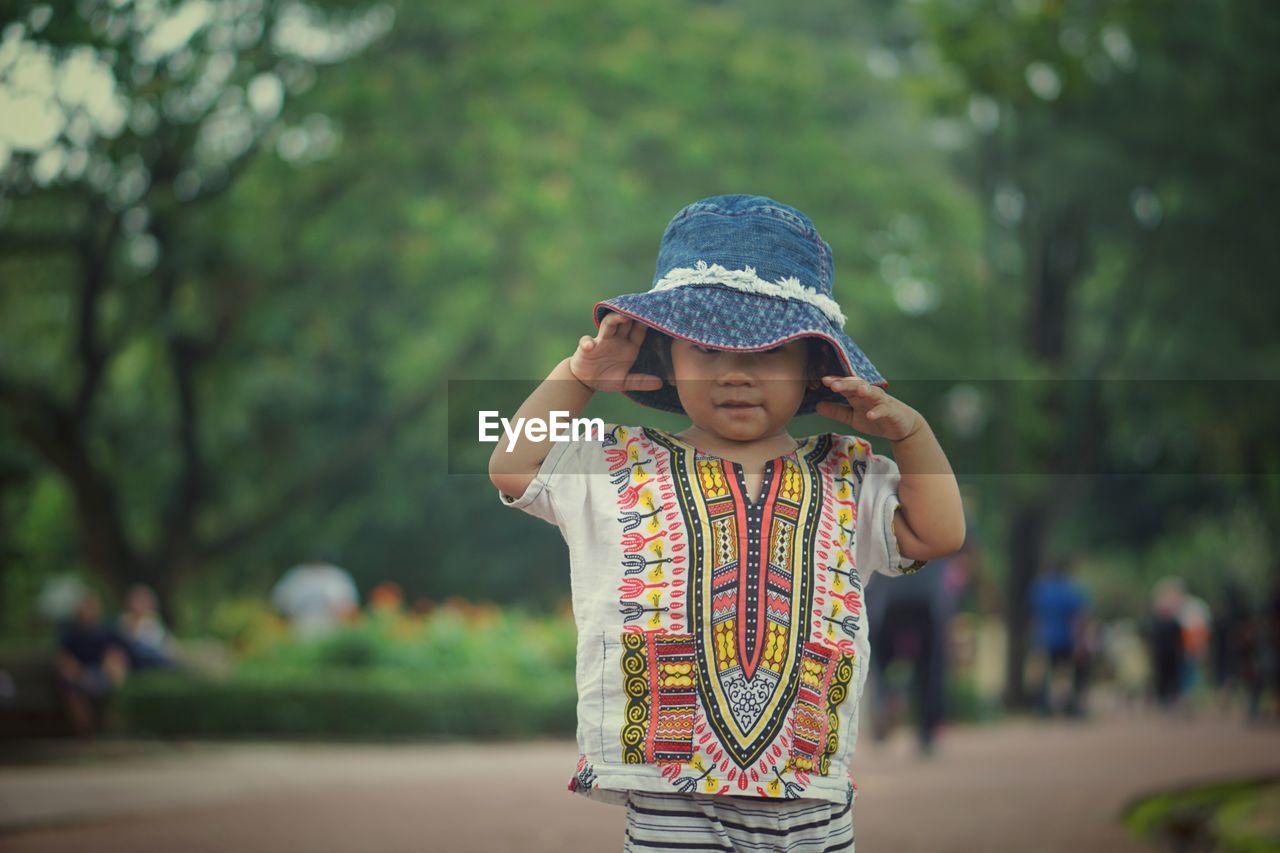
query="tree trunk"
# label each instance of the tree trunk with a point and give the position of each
(1061, 259)
(1026, 544)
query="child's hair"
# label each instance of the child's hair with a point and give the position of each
(820, 360)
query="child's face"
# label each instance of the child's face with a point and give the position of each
(771, 382)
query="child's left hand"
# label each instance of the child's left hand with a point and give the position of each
(871, 409)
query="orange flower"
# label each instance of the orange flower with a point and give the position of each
(386, 596)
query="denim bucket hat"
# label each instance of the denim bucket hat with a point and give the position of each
(741, 272)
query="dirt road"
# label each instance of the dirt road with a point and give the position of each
(1018, 786)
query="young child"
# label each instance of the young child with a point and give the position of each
(717, 571)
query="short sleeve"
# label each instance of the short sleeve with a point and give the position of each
(876, 545)
(562, 485)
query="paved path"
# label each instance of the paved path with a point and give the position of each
(1019, 786)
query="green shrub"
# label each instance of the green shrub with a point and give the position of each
(344, 703)
(460, 672)
(248, 624)
(1228, 815)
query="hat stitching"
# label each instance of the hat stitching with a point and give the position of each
(806, 228)
(791, 218)
(749, 281)
(801, 224)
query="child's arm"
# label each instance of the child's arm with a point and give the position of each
(929, 522)
(602, 363)
(561, 391)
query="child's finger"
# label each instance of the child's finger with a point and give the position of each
(642, 382)
(853, 384)
(863, 388)
(851, 388)
(607, 327)
(616, 321)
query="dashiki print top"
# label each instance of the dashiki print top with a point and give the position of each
(722, 646)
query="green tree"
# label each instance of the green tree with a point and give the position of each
(449, 205)
(1124, 159)
(125, 123)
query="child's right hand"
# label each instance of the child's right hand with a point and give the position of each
(604, 362)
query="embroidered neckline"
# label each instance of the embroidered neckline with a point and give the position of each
(795, 453)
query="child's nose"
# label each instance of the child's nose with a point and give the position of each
(739, 367)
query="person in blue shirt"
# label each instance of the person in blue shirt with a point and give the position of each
(1059, 607)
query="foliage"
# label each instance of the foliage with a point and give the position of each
(457, 640)
(446, 205)
(247, 624)
(1214, 556)
(1123, 263)
(350, 703)
(463, 670)
(228, 319)
(1233, 815)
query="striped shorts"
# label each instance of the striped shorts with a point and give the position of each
(666, 821)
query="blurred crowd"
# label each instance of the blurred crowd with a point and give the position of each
(95, 655)
(1183, 656)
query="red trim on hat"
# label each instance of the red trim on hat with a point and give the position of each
(835, 344)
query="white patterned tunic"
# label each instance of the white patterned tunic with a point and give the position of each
(722, 646)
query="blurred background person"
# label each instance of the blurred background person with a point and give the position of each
(1058, 605)
(1128, 662)
(1165, 636)
(1086, 655)
(92, 660)
(1233, 648)
(909, 618)
(1230, 614)
(143, 629)
(1195, 618)
(1247, 662)
(1269, 652)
